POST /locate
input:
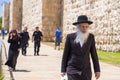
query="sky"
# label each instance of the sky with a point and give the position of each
(1, 5)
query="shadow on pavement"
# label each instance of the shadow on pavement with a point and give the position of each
(36, 55)
(29, 55)
(43, 55)
(22, 71)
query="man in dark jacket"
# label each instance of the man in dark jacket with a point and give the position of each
(24, 41)
(78, 47)
(37, 37)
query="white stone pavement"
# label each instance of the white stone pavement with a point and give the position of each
(47, 66)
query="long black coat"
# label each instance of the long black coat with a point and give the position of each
(13, 51)
(76, 59)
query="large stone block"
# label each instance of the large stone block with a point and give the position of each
(51, 18)
(16, 14)
(32, 14)
(6, 16)
(104, 14)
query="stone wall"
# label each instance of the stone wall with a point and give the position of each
(45, 14)
(104, 13)
(6, 15)
(48, 15)
(32, 14)
(16, 14)
(51, 18)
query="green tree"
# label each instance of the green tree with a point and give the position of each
(0, 22)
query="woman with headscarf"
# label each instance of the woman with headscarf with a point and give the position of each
(14, 49)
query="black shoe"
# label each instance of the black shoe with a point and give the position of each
(24, 54)
(37, 54)
(34, 54)
(14, 69)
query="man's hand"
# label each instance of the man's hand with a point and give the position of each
(11, 35)
(41, 38)
(32, 40)
(63, 74)
(97, 75)
(19, 49)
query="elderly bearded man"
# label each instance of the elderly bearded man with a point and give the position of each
(78, 47)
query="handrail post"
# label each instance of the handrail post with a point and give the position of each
(0, 60)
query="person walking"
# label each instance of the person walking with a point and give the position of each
(14, 49)
(3, 33)
(78, 47)
(24, 41)
(58, 34)
(37, 37)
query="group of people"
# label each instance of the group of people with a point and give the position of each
(76, 56)
(20, 41)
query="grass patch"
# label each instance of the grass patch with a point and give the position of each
(0, 22)
(108, 57)
(1, 77)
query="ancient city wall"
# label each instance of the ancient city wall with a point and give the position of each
(45, 14)
(51, 18)
(48, 15)
(16, 14)
(104, 13)
(6, 15)
(32, 14)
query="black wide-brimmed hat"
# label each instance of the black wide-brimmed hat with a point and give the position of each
(82, 19)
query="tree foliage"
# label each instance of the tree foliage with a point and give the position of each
(0, 22)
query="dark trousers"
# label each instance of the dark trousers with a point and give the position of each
(57, 41)
(78, 77)
(24, 49)
(74, 74)
(36, 47)
(3, 36)
(12, 58)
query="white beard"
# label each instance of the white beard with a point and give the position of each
(81, 37)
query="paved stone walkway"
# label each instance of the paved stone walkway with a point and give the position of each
(47, 66)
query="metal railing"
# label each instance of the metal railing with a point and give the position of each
(2, 45)
(1, 76)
